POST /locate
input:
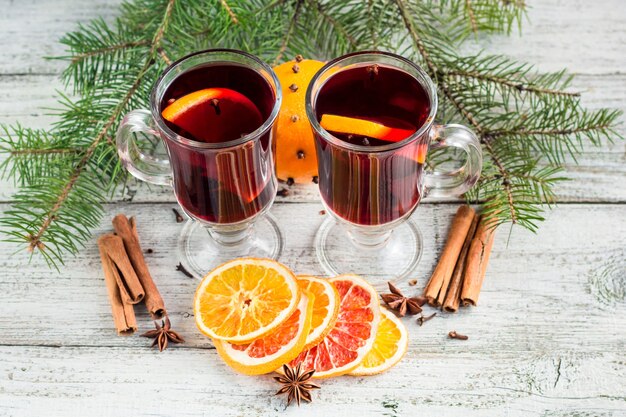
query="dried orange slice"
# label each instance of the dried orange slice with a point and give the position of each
(325, 310)
(364, 127)
(214, 114)
(244, 299)
(265, 354)
(353, 334)
(390, 345)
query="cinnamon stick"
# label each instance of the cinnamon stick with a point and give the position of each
(127, 230)
(437, 286)
(452, 300)
(123, 314)
(477, 260)
(130, 288)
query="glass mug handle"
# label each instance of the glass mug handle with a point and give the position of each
(454, 183)
(136, 133)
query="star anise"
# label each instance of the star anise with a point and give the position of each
(163, 334)
(295, 384)
(398, 302)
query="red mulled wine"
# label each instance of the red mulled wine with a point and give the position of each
(214, 104)
(366, 185)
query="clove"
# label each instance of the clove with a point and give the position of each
(216, 105)
(454, 335)
(372, 70)
(182, 269)
(179, 218)
(423, 319)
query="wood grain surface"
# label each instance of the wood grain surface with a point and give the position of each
(547, 339)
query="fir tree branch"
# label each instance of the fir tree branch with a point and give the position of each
(547, 132)
(521, 87)
(292, 24)
(164, 56)
(108, 49)
(370, 24)
(472, 17)
(230, 12)
(527, 122)
(459, 106)
(35, 240)
(338, 27)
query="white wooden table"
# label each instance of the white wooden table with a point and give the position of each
(548, 338)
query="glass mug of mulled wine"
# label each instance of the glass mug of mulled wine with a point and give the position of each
(372, 116)
(208, 134)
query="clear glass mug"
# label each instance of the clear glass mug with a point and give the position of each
(225, 188)
(371, 191)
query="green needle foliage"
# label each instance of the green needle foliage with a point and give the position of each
(527, 122)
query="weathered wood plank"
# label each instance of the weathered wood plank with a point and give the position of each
(557, 34)
(31, 30)
(138, 382)
(546, 335)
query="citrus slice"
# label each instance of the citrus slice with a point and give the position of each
(364, 127)
(283, 344)
(353, 334)
(214, 114)
(325, 310)
(390, 345)
(245, 299)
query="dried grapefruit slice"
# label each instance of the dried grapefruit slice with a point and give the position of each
(244, 299)
(214, 114)
(392, 341)
(268, 352)
(325, 310)
(353, 334)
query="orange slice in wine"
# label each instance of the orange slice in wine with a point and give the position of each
(364, 127)
(214, 114)
(377, 129)
(352, 336)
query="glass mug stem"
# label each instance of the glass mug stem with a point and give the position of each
(369, 240)
(223, 173)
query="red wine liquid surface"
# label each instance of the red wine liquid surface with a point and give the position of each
(223, 185)
(372, 188)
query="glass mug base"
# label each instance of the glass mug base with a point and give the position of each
(392, 260)
(199, 252)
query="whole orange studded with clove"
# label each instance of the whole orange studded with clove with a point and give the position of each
(295, 147)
